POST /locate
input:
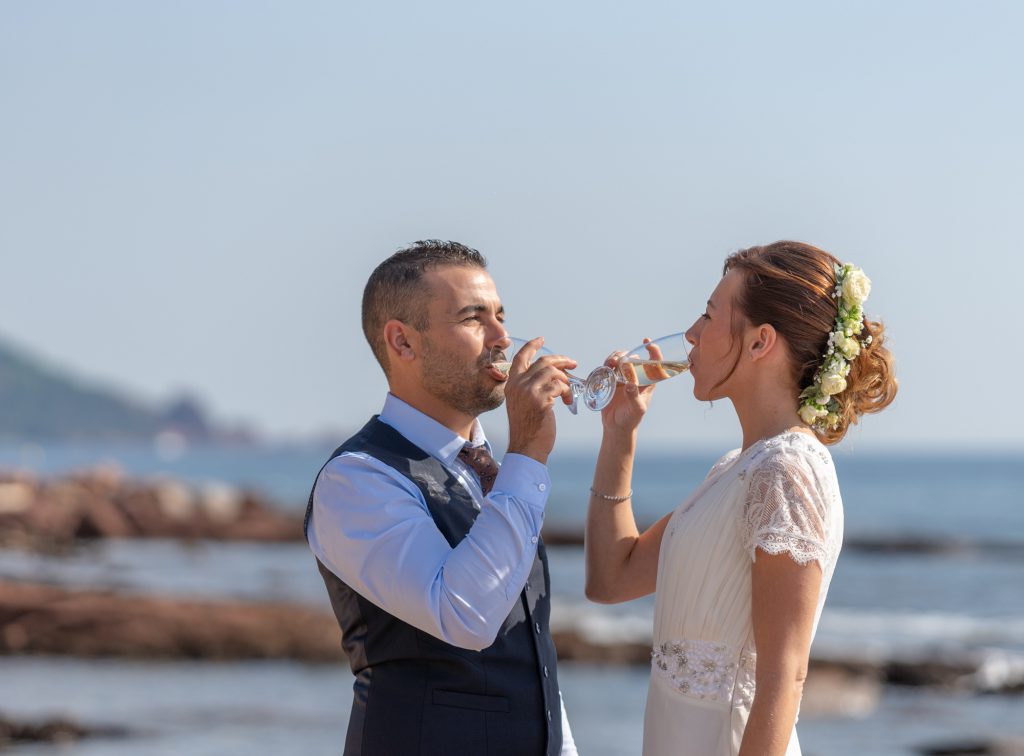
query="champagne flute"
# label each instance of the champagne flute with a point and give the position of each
(651, 362)
(504, 363)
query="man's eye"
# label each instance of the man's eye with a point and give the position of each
(706, 316)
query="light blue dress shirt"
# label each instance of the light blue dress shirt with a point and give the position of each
(371, 527)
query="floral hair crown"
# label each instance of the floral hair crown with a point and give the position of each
(818, 406)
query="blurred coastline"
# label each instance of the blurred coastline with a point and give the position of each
(156, 570)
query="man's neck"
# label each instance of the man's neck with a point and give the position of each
(452, 419)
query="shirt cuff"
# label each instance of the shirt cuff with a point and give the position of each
(525, 479)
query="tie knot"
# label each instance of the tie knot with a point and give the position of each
(480, 461)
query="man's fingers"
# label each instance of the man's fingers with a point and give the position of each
(546, 382)
(525, 355)
(558, 361)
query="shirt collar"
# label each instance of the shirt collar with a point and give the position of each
(435, 439)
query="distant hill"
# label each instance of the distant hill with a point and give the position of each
(41, 403)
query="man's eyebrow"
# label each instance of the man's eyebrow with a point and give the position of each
(472, 309)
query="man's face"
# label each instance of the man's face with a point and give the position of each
(465, 333)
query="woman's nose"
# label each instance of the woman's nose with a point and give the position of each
(691, 335)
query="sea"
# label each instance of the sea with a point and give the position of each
(932, 571)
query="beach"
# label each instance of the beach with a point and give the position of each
(920, 648)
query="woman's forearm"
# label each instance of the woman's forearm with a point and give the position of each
(774, 711)
(618, 558)
(611, 530)
(773, 715)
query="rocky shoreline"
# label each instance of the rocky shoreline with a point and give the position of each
(55, 514)
(52, 515)
(47, 619)
(54, 731)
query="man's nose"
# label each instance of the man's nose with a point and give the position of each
(499, 337)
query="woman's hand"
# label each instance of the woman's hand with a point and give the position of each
(629, 404)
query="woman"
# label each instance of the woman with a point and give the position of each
(742, 566)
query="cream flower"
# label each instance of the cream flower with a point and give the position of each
(856, 288)
(818, 408)
(849, 347)
(832, 383)
(809, 413)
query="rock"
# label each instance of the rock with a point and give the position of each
(50, 731)
(52, 515)
(43, 619)
(838, 690)
(1011, 747)
(575, 646)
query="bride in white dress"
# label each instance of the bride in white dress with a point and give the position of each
(741, 568)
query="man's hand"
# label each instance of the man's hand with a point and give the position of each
(530, 394)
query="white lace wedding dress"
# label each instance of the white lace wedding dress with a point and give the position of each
(780, 495)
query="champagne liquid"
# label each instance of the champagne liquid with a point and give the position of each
(503, 367)
(653, 371)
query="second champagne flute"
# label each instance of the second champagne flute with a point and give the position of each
(648, 363)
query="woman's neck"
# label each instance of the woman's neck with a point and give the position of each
(766, 413)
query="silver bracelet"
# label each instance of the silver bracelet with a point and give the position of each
(606, 497)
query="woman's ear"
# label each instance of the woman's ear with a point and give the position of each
(401, 340)
(763, 343)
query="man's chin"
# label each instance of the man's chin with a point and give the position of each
(496, 398)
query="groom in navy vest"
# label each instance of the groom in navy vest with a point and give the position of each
(431, 553)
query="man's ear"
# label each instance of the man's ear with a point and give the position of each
(764, 340)
(402, 341)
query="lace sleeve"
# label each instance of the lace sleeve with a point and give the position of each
(787, 511)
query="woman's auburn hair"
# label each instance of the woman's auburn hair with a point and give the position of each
(789, 285)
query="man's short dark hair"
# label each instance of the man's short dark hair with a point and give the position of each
(395, 290)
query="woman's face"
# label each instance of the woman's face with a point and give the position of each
(714, 347)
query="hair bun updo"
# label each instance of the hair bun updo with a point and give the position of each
(790, 286)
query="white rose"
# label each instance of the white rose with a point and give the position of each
(849, 347)
(856, 287)
(832, 383)
(809, 413)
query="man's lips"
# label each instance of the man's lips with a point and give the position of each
(493, 371)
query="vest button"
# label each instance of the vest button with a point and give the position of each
(549, 715)
(545, 671)
(537, 626)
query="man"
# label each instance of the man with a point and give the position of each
(432, 556)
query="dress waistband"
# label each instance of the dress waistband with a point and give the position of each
(707, 670)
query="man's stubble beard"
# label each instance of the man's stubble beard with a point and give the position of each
(446, 378)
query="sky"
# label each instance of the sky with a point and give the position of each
(194, 193)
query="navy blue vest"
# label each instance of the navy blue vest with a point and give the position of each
(414, 694)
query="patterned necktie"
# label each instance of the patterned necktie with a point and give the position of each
(482, 463)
